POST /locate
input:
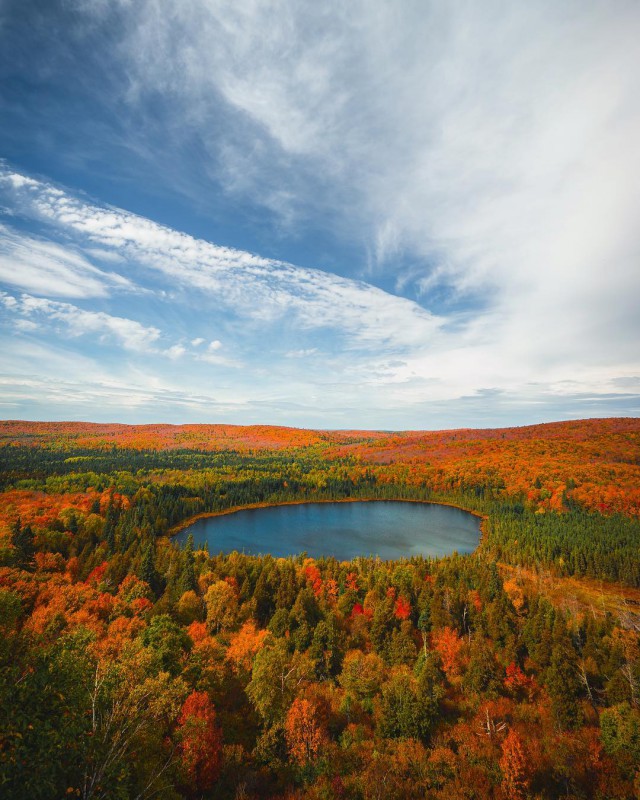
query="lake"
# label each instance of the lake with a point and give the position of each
(387, 529)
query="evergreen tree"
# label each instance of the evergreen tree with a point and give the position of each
(401, 648)
(424, 626)
(483, 675)
(326, 648)
(148, 572)
(110, 530)
(187, 581)
(263, 597)
(23, 546)
(562, 679)
(382, 625)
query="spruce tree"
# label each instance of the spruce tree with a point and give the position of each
(110, 528)
(187, 582)
(148, 572)
(23, 546)
(562, 679)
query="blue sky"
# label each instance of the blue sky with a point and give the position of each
(365, 214)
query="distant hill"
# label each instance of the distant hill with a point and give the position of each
(593, 462)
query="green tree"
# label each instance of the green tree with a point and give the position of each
(326, 648)
(45, 725)
(483, 675)
(222, 606)
(401, 647)
(406, 710)
(148, 572)
(22, 540)
(187, 581)
(167, 643)
(275, 678)
(362, 674)
(620, 734)
(424, 625)
(563, 681)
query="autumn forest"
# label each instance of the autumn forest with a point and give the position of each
(131, 668)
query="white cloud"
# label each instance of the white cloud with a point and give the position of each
(26, 325)
(378, 351)
(19, 181)
(50, 269)
(248, 286)
(214, 358)
(52, 380)
(494, 145)
(302, 353)
(175, 351)
(77, 322)
(33, 314)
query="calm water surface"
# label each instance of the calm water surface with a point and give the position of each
(390, 530)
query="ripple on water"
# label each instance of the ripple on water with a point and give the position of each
(388, 529)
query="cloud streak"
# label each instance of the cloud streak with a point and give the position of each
(254, 288)
(49, 269)
(128, 333)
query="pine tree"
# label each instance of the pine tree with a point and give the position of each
(23, 546)
(148, 572)
(563, 680)
(187, 582)
(110, 528)
(424, 626)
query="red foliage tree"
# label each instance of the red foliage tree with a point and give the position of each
(312, 574)
(97, 574)
(200, 742)
(402, 609)
(516, 681)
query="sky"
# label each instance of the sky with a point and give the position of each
(408, 215)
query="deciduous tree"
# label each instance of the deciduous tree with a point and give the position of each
(303, 732)
(200, 743)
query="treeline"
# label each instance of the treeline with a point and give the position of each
(578, 542)
(164, 488)
(31, 466)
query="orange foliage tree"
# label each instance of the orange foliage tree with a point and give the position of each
(448, 645)
(303, 732)
(243, 646)
(515, 777)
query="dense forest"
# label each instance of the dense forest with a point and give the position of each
(130, 668)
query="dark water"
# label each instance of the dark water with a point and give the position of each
(390, 530)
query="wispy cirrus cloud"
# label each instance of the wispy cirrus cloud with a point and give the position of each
(128, 333)
(33, 314)
(250, 287)
(50, 269)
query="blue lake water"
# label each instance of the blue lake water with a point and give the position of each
(386, 529)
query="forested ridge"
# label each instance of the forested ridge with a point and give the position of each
(131, 668)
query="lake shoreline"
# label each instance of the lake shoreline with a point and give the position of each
(181, 526)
